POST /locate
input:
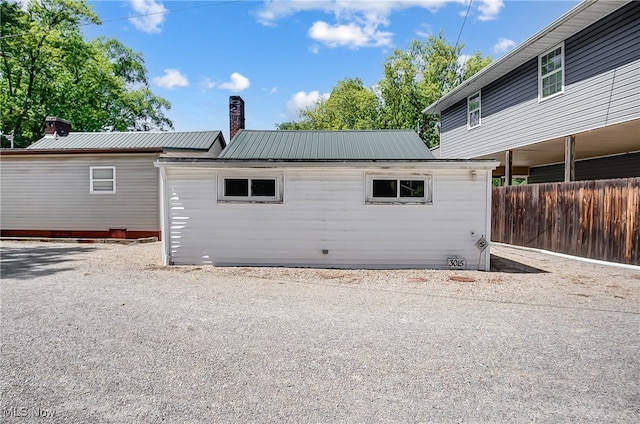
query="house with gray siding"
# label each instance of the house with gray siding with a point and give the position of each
(71, 184)
(343, 199)
(562, 106)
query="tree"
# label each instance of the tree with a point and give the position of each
(413, 79)
(416, 78)
(48, 68)
(349, 106)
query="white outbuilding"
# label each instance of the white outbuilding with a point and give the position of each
(342, 199)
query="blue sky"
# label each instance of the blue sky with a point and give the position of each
(280, 56)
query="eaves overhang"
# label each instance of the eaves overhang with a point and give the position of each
(572, 22)
(355, 163)
(41, 152)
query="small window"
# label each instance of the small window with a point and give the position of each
(236, 187)
(551, 73)
(253, 190)
(383, 189)
(473, 110)
(102, 179)
(263, 188)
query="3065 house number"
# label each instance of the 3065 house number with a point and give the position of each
(456, 262)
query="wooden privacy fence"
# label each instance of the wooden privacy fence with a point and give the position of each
(593, 219)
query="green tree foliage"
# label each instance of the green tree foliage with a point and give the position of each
(350, 106)
(413, 79)
(48, 68)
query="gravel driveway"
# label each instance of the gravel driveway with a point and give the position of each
(103, 334)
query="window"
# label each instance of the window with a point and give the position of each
(102, 179)
(253, 190)
(404, 189)
(551, 73)
(473, 110)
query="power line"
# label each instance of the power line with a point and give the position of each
(164, 12)
(463, 22)
(458, 39)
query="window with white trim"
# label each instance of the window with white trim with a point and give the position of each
(473, 110)
(398, 189)
(551, 72)
(102, 179)
(254, 189)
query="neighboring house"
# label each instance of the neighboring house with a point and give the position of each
(91, 184)
(346, 199)
(564, 105)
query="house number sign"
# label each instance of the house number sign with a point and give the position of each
(456, 262)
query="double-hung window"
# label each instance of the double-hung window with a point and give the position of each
(473, 110)
(102, 179)
(254, 189)
(400, 189)
(551, 73)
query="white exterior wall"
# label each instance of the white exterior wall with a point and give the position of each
(52, 193)
(324, 209)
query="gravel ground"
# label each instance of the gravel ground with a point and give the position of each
(97, 333)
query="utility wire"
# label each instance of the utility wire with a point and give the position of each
(463, 22)
(459, 37)
(164, 12)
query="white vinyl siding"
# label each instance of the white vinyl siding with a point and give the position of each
(551, 72)
(50, 193)
(324, 209)
(473, 110)
(102, 179)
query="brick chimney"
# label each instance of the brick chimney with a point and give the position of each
(56, 127)
(236, 115)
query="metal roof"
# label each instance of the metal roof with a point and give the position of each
(326, 145)
(572, 22)
(202, 140)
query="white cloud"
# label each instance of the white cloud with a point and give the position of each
(424, 31)
(462, 59)
(503, 45)
(238, 83)
(150, 15)
(489, 9)
(303, 101)
(357, 23)
(361, 23)
(270, 91)
(172, 78)
(207, 84)
(350, 35)
(367, 10)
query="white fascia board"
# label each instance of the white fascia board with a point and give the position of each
(477, 164)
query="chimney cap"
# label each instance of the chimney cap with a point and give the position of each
(56, 119)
